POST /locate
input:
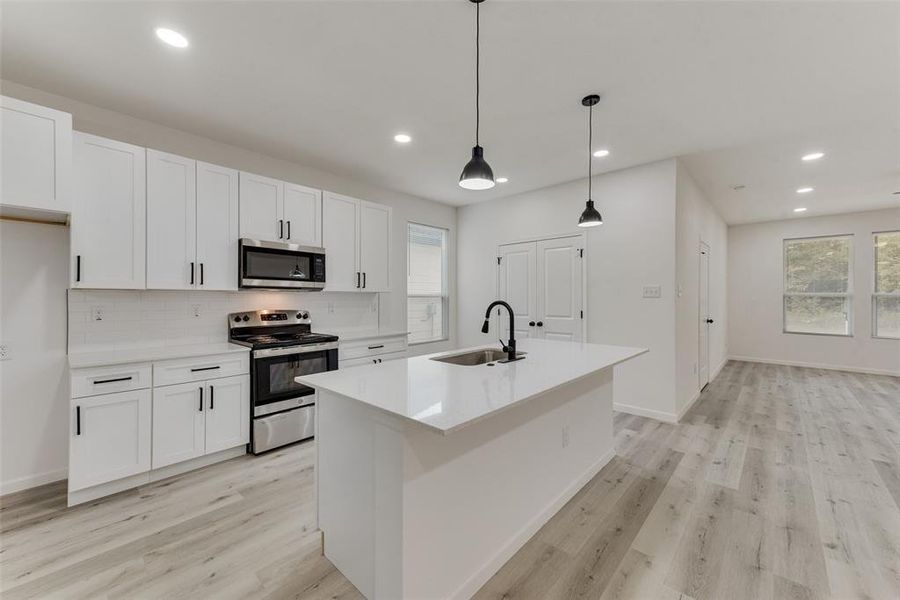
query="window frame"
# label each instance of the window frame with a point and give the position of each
(848, 295)
(445, 284)
(875, 293)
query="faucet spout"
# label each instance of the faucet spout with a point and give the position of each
(510, 347)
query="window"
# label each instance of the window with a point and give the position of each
(427, 302)
(817, 285)
(886, 299)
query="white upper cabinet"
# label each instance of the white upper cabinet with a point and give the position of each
(302, 215)
(357, 240)
(375, 246)
(171, 222)
(36, 151)
(340, 226)
(108, 214)
(217, 227)
(261, 203)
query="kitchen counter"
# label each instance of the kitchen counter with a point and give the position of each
(446, 397)
(81, 360)
(431, 475)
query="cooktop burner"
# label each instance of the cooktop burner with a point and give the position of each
(274, 328)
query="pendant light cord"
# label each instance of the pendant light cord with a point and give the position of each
(477, 69)
(590, 146)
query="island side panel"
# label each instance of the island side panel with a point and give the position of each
(472, 498)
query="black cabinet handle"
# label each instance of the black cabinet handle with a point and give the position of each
(201, 273)
(129, 378)
(201, 399)
(289, 230)
(358, 274)
(280, 229)
(540, 323)
(212, 401)
(531, 323)
(374, 361)
(192, 273)
(206, 369)
(376, 347)
(77, 420)
(364, 280)
(77, 268)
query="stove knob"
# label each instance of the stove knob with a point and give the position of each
(237, 319)
(245, 318)
(306, 315)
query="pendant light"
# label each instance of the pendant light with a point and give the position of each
(477, 174)
(591, 216)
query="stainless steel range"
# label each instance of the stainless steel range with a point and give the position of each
(284, 347)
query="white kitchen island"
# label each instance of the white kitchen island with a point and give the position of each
(430, 475)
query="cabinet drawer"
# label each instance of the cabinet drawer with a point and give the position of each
(106, 380)
(201, 368)
(372, 347)
(371, 360)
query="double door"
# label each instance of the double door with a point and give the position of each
(197, 418)
(543, 282)
(273, 210)
(192, 224)
(357, 240)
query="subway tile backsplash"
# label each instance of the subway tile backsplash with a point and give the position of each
(112, 319)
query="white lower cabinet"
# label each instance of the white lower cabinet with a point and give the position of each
(228, 417)
(373, 350)
(110, 438)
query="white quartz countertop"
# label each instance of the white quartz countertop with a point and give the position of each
(446, 397)
(81, 360)
(352, 336)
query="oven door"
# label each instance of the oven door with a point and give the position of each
(274, 370)
(281, 265)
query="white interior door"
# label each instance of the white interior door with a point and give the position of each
(171, 222)
(559, 284)
(261, 205)
(703, 358)
(179, 412)
(517, 286)
(217, 227)
(375, 246)
(302, 215)
(340, 236)
(228, 413)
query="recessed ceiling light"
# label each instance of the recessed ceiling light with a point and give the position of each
(501, 179)
(804, 190)
(812, 156)
(172, 38)
(800, 209)
(601, 153)
(402, 138)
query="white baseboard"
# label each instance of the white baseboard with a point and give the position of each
(476, 581)
(718, 369)
(646, 412)
(791, 363)
(691, 403)
(30, 481)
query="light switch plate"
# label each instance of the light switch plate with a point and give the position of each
(652, 291)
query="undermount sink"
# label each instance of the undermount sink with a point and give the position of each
(477, 357)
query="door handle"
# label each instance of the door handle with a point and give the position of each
(77, 420)
(364, 280)
(358, 274)
(201, 399)
(540, 323)
(201, 273)
(77, 268)
(710, 321)
(289, 230)
(212, 401)
(280, 229)
(531, 323)
(192, 273)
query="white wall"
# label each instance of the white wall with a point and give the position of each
(755, 288)
(696, 220)
(33, 382)
(633, 248)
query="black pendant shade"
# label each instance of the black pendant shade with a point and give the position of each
(477, 174)
(590, 217)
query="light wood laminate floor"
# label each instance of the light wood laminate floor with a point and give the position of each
(781, 482)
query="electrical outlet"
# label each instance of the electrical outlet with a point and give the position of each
(652, 291)
(4, 352)
(565, 436)
(195, 309)
(97, 313)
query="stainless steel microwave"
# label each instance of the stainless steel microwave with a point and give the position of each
(280, 265)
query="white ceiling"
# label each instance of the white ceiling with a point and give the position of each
(741, 88)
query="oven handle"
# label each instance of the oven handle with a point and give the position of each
(294, 350)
